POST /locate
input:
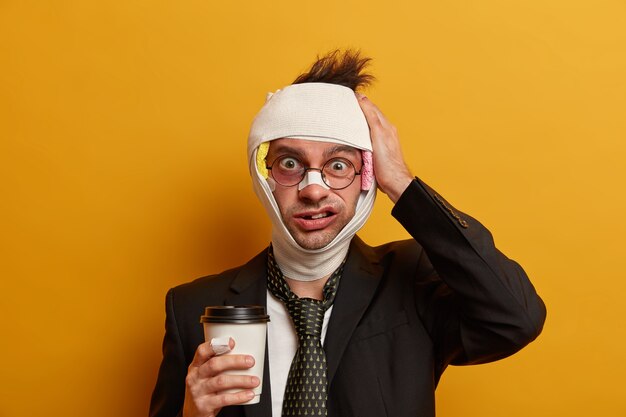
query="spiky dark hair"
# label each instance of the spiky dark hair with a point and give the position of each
(345, 68)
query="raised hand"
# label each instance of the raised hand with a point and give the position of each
(392, 173)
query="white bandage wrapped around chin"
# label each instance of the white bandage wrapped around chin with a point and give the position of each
(319, 112)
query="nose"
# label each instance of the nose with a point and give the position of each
(312, 176)
(312, 187)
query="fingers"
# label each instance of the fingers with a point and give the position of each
(210, 405)
(225, 382)
(205, 351)
(221, 345)
(233, 399)
(385, 141)
(218, 364)
(206, 363)
(373, 115)
(210, 377)
(209, 387)
(392, 173)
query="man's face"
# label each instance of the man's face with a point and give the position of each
(315, 215)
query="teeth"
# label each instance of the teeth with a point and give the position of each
(319, 216)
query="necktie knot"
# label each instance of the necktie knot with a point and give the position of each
(307, 316)
(306, 390)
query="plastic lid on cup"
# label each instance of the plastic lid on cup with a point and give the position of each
(235, 314)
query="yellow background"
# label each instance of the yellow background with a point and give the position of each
(122, 173)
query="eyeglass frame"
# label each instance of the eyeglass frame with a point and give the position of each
(321, 170)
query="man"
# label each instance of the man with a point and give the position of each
(378, 324)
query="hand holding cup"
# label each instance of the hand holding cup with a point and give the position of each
(215, 381)
(209, 388)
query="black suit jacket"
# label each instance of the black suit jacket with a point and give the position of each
(403, 312)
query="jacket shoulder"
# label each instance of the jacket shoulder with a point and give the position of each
(408, 248)
(212, 289)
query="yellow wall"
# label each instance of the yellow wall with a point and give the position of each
(122, 173)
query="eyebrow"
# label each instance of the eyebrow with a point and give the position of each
(283, 149)
(341, 149)
(327, 153)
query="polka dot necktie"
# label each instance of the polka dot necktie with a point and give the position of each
(307, 385)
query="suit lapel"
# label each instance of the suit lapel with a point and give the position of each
(358, 284)
(249, 288)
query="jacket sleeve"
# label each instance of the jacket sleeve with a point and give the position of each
(169, 391)
(477, 304)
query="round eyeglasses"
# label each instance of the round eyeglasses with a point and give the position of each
(337, 173)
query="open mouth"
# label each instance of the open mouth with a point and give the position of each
(313, 220)
(317, 216)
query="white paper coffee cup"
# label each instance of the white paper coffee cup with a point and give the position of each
(247, 325)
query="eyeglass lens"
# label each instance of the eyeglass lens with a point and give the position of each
(337, 173)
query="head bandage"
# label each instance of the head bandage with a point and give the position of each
(318, 112)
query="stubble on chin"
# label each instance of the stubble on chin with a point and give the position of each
(312, 240)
